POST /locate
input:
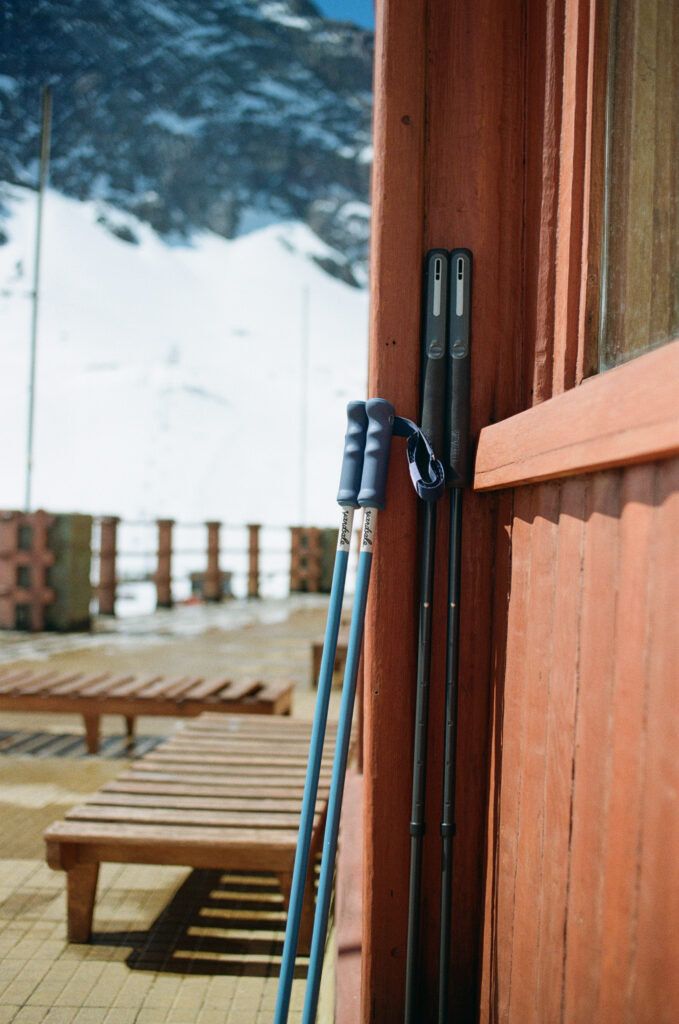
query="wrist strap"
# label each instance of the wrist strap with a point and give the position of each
(426, 472)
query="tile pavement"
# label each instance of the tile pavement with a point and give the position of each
(170, 946)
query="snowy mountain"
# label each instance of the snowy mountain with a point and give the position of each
(201, 380)
(196, 115)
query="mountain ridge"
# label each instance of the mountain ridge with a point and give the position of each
(196, 115)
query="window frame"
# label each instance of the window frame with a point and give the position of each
(575, 419)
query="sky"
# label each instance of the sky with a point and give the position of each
(361, 12)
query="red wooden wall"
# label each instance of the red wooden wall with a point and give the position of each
(582, 876)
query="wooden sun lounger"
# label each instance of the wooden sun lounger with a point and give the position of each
(131, 695)
(224, 793)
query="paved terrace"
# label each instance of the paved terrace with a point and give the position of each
(170, 945)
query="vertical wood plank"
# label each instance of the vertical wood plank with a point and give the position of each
(560, 749)
(660, 323)
(654, 978)
(592, 762)
(499, 983)
(620, 828)
(544, 96)
(634, 300)
(500, 635)
(389, 649)
(579, 28)
(531, 823)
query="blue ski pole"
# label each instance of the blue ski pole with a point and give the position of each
(347, 498)
(371, 498)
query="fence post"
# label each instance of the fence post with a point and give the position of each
(212, 590)
(295, 559)
(253, 559)
(305, 559)
(108, 548)
(163, 574)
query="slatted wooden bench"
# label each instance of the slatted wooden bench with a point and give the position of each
(223, 793)
(132, 695)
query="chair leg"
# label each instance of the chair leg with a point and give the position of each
(92, 733)
(81, 889)
(129, 725)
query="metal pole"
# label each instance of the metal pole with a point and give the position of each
(371, 498)
(417, 815)
(303, 428)
(350, 483)
(44, 170)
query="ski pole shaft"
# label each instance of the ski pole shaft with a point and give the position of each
(417, 824)
(450, 750)
(371, 498)
(350, 483)
(458, 472)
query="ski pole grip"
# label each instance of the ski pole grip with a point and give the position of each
(434, 348)
(458, 468)
(352, 460)
(377, 447)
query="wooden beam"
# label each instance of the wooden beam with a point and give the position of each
(389, 650)
(627, 415)
(455, 179)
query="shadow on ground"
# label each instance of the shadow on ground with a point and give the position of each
(216, 923)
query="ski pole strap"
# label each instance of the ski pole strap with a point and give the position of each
(426, 472)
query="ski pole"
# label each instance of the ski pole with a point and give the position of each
(347, 498)
(458, 474)
(433, 394)
(371, 498)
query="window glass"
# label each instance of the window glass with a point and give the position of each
(640, 282)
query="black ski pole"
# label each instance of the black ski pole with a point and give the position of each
(458, 473)
(432, 420)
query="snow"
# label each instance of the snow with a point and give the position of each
(175, 124)
(280, 12)
(9, 85)
(171, 379)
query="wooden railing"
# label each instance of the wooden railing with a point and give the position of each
(130, 552)
(227, 561)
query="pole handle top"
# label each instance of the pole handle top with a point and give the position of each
(377, 449)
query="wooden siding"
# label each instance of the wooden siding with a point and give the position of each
(583, 877)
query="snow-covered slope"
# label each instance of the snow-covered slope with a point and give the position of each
(172, 380)
(196, 114)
